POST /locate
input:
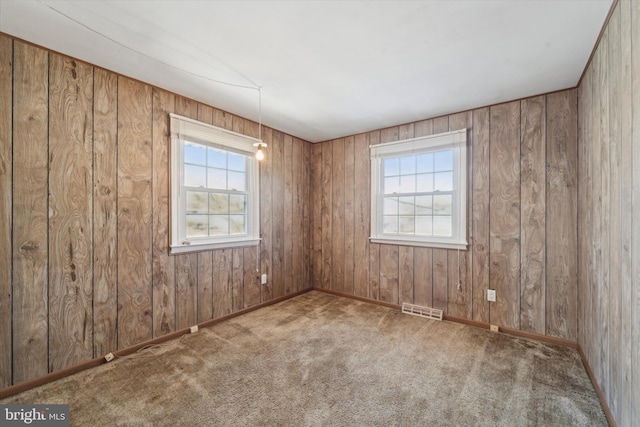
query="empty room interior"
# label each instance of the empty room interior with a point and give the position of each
(321, 213)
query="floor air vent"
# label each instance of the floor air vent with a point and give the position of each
(416, 310)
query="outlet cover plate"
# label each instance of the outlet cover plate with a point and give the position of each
(491, 295)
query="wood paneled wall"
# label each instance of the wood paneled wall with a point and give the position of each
(609, 219)
(522, 214)
(84, 217)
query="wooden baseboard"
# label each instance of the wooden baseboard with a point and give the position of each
(596, 386)
(53, 376)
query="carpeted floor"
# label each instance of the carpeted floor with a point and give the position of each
(319, 359)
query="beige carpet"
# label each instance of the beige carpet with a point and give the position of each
(318, 359)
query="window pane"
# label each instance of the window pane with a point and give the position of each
(390, 206)
(444, 160)
(236, 224)
(408, 165)
(391, 167)
(217, 178)
(406, 205)
(195, 154)
(442, 226)
(443, 181)
(236, 162)
(391, 185)
(424, 205)
(442, 204)
(196, 202)
(217, 158)
(237, 204)
(195, 176)
(218, 203)
(237, 181)
(390, 224)
(424, 225)
(408, 184)
(218, 225)
(406, 225)
(196, 225)
(424, 163)
(424, 183)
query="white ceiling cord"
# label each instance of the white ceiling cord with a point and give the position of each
(252, 86)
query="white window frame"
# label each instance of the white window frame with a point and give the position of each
(186, 129)
(455, 141)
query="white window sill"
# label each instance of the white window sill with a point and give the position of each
(199, 247)
(419, 243)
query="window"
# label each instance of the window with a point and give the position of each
(419, 191)
(214, 187)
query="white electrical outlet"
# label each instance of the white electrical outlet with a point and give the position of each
(494, 328)
(263, 279)
(109, 357)
(491, 295)
(194, 329)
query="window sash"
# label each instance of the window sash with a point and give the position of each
(454, 141)
(185, 130)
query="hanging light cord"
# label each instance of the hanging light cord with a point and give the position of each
(253, 85)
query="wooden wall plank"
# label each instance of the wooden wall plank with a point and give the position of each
(405, 274)
(480, 213)
(307, 215)
(237, 280)
(251, 280)
(389, 258)
(30, 225)
(134, 212)
(533, 214)
(635, 292)
(6, 199)
(594, 181)
(349, 215)
(297, 212)
(279, 229)
(362, 218)
(562, 214)
(423, 276)
(186, 266)
(326, 216)
(374, 271)
(288, 165)
(205, 286)
(316, 200)
(604, 191)
(460, 282)
(163, 264)
(624, 353)
(615, 232)
(222, 282)
(504, 199)
(440, 266)
(337, 215)
(266, 216)
(70, 222)
(105, 214)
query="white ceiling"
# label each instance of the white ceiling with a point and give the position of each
(326, 68)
